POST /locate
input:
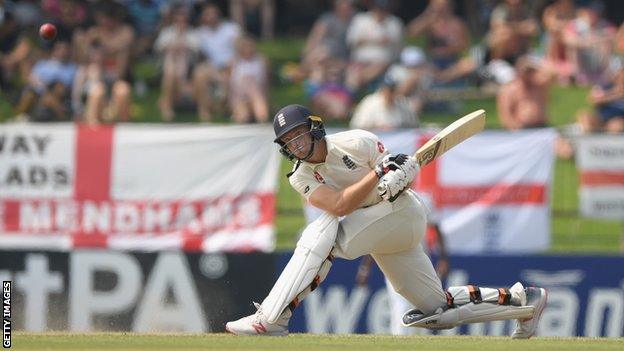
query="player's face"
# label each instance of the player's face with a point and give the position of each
(298, 141)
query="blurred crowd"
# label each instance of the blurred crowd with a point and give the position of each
(86, 73)
(356, 66)
(528, 47)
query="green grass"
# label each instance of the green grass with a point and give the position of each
(128, 341)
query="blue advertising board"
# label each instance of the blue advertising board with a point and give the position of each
(586, 295)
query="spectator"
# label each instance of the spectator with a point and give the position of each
(384, 110)
(608, 102)
(246, 13)
(375, 38)
(248, 84)
(169, 5)
(146, 18)
(556, 17)
(97, 96)
(328, 37)
(446, 34)
(589, 39)
(329, 96)
(18, 39)
(19, 61)
(178, 44)
(511, 29)
(324, 56)
(48, 86)
(9, 33)
(522, 102)
(619, 41)
(114, 38)
(218, 36)
(480, 65)
(477, 14)
(413, 76)
(193, 7)
(27, 13)
(68, 15)
(218, 44)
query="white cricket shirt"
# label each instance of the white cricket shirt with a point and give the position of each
(350, 156)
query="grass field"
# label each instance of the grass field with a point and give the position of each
(302, 342)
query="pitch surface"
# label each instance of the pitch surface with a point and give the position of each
(128, 341)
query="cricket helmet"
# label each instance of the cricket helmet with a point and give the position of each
(291, 117)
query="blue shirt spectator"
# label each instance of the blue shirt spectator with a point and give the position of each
(57, 68)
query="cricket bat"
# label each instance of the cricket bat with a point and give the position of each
(450, 136)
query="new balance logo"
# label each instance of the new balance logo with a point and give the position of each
(349, 162)
(281, 120)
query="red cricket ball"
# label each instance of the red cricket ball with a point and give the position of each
(47, 31)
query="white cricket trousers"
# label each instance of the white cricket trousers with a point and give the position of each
(392, 233)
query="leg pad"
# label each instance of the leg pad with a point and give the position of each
(468, 313)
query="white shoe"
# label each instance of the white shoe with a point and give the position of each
(257, 324)
(525, 328)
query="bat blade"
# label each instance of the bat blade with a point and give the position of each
(450, 136)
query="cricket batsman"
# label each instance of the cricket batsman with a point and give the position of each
(369, 208)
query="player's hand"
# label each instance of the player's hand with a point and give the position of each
(389, 163)
(392, 184)
(411, 168)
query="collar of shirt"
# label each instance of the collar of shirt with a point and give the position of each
(330, 148)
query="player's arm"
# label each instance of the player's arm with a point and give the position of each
(342, 202)
(393, 173)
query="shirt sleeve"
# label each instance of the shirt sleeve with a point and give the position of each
(377, 150)
(370, 148)
(304, 184)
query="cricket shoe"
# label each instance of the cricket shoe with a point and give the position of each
(257, 324)
(525, 328)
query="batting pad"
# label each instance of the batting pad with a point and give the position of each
(315, 244)
(469, 313)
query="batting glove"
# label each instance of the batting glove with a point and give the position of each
(392, 184)
(390, 163)
(411, 168)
